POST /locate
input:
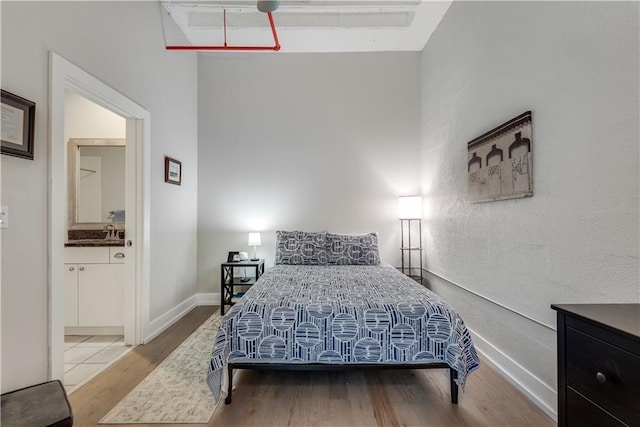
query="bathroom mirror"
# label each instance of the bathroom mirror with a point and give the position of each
(96, 183)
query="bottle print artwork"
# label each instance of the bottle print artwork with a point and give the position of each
(475, 179)
(500, 163)
(519, 155)
(494, 170)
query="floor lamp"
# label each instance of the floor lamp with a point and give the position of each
(410, 211)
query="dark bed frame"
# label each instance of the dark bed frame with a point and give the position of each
(453, 374)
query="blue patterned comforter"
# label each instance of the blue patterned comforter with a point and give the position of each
(346, 314)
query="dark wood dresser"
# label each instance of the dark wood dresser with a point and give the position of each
(598, 364)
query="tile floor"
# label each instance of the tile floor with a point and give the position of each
(85, 356)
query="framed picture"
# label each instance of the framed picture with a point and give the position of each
(499, 162)
(233, 256)
(18, 123)
(172, 171)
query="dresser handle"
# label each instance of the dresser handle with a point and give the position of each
(602, 378)
(118, 255)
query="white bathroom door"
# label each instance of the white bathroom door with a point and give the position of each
(133, 213)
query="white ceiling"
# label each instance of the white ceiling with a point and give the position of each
(306, 25)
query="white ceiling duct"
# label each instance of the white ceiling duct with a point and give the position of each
(305, 25)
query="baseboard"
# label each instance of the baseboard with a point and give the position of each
(211, 298)
(531, 386)
(160, 324)
(94, 330)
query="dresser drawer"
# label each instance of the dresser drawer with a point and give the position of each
(604, 374)
(583, 413)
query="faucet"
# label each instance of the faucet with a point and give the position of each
(112, 233)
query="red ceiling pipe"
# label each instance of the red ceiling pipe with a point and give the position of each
(275, 47)
(273, 30)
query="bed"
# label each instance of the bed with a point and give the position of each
(338, 309)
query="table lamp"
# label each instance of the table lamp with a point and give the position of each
(254, 240)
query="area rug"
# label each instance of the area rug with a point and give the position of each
(176, 390)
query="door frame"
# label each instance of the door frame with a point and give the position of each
(64, 75)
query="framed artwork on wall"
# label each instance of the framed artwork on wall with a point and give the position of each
(18, 123)
(172, 171)
(500, 165)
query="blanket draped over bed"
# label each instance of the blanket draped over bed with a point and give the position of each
(347, 314)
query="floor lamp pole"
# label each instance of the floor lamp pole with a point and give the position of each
(402, 244)
(405, 228)
(409, 237)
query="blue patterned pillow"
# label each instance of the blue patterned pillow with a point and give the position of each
(350, 249)
(301, 248)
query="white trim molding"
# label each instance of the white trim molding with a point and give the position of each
(499, 304)
(64, 75)
(531, 386)
(211, 298)
(161, 323)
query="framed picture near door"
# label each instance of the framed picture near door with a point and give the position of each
(18, 123)
(172, 171)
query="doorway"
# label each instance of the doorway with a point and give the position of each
(64, 77)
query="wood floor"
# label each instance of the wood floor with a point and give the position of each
(350, 398)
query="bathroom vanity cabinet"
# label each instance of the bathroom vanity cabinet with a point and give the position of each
(94, 289)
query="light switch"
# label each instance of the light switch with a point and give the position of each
(4, 217)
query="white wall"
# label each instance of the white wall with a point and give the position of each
(575, 65)
(86, 119)
(121, 43)
(303, 141)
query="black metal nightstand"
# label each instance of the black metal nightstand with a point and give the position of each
(228, 280)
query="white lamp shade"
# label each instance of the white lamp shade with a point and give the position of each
(410, 207)
(254, 239)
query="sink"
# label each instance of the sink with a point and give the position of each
(95, 242)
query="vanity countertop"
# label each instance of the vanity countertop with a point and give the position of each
(94, 242)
